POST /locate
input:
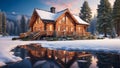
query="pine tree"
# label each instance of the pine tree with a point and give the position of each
(116, 16)
(104, 17)
(23, 24)
(86, 12)
(3, 23)
(27, 24)
(0, 22)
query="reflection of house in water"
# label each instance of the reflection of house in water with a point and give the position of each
(22, 64)
(52, 58)
(46, 58)
(46, 64)
(21, 52)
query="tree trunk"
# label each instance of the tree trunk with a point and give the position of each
(105, 31)
(117, 28)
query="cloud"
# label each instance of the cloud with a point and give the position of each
(74, 5)
(112, 1)
(60, 5)
(13, 12)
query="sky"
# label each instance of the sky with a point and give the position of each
(27, 6)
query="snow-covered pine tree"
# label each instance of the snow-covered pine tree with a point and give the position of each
(23, 24)
(85, 12)
(0, 22)
(92, 27)
(104, 17)
(116, 16)
(3, 23)
(27, 25)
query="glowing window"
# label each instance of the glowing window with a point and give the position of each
(66, 28)
(79, 28)
(50, 27)
(71, 28)
(59, 28)
(63, 19)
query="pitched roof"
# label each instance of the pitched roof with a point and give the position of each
(46, 15)
(80, 21)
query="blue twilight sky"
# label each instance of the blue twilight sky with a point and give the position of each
(27, 6)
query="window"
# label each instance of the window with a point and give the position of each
(59, 28)
(60, 22)
(63, 19)
(66, 28)
(38, 29)
(79, 28)
(71, 28)
(37, 21)
(50, 27)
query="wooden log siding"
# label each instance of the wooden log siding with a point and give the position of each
(80, 30)
(33, 19)
(65, 26)
(49, 29)
(38, 25)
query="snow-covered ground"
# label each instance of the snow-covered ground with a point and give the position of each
(6, 44)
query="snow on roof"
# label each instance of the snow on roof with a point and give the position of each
(46, 15)
(80, 21)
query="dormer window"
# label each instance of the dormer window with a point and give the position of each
(63, 19)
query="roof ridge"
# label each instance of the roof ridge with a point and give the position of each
(49, 11)
(43, 10)
(63, 10)
(75, 15)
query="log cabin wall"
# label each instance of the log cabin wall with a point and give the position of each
(65, 26)
(38, 25)
(80, 30)
(49, 29)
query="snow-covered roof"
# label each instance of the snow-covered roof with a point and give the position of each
(80, 20)
(46, 15)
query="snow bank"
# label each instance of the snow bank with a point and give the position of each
(105, 45)
(5, 54)
(2, 63)
(6, 44)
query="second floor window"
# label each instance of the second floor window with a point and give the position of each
(63, 19)
(50, 27)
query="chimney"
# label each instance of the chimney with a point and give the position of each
(52, 9)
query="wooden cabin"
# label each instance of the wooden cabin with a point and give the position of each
(59, 24)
